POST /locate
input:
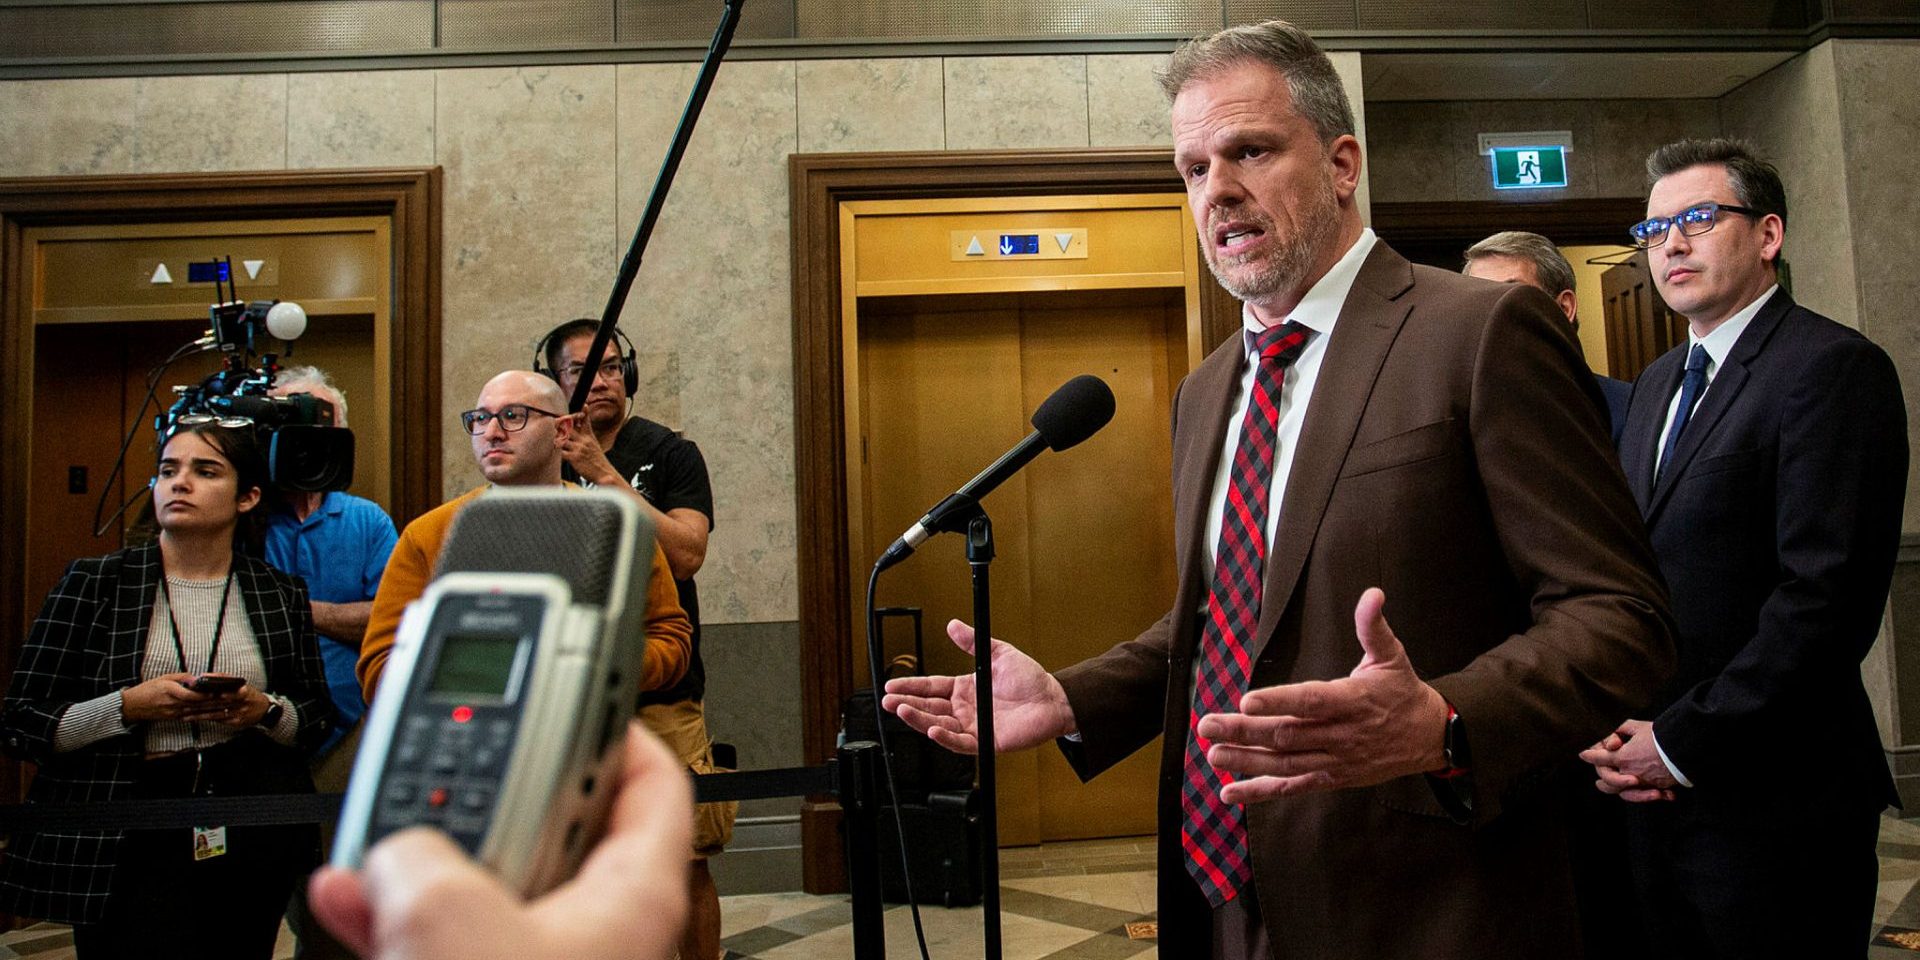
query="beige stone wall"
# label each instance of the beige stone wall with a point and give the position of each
(547, 172)
(1834, 123)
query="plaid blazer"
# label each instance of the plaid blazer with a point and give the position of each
(88, 640)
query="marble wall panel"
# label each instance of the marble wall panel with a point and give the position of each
(529, 221)
(195, 124)
(753, 697)
(378, 118)
(1880, 130)
(1009, 103)
(1792, 115)
(56, 127)
(1411, 151)
(715, 292)
(853, 105)
(1625, 131)
(1125, 107)
(1348, 65)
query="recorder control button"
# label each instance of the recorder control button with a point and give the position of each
(401, 793)
(475, 799)
(437, 797)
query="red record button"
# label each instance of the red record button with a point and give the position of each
(462, 713)
(437, 797)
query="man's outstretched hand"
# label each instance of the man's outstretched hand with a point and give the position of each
(1379, 722)
(1029, 706)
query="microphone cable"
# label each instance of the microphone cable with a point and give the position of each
(886, 755)
(133, 430)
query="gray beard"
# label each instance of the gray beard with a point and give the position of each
(1288, 267)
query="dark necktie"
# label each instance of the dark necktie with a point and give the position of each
(1691, 384)
(1214, 835)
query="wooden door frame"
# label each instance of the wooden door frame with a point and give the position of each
(409, 196)
(819, 183)
(1570, 222)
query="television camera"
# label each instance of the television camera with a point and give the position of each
(305, 451)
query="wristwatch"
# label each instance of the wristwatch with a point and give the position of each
(1453, 784)
(271, 718)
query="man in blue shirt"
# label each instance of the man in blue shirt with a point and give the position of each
(339, 544)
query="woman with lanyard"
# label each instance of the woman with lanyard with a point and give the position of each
(179, 668)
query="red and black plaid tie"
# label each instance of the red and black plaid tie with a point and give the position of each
(1215, 835)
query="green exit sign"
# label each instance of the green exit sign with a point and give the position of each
(1529, 168)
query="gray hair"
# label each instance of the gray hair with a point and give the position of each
(1315, 86)
(313, 378)
(1550, 267)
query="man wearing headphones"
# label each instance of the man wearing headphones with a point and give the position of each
(611, 447)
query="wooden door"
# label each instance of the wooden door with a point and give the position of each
(1640, 326)
(1084, 537)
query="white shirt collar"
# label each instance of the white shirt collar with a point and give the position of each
(1319, 310)
(1720, 342)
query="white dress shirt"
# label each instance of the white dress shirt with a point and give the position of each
(1319, 310)
(1717, 344)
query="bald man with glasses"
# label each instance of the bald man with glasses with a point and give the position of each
(516, 428)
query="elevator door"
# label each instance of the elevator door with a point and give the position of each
(1084, 536)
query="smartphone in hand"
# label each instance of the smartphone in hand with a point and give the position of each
(216, 683)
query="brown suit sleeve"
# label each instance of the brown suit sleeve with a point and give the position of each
(1601, 638)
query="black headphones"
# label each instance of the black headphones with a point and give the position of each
(629, 367)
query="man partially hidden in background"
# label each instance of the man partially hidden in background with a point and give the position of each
(1516, 256)
(338, 543)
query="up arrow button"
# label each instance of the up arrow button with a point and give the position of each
(974, 249)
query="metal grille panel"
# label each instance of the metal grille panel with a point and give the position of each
(523, 24)
(1716, 14)
(291, 26)
(1310, 14)
(643, 21)
(575, 541)
(1473, 15)
(847, 19)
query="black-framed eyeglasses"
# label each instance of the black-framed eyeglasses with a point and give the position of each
(1693, 221)
(613, 368)
(513, 418)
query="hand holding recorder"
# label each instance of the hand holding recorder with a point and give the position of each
(420, 897)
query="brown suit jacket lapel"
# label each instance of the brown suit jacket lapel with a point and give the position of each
(1369, 321)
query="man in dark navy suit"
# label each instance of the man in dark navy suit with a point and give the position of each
(1769, 457)
(1516, 256)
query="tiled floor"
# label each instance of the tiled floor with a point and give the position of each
(1059, 901)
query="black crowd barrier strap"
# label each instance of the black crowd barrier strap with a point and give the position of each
(257, 811)
(281, 809)
(763, 784)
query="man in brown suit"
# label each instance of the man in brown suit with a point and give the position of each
(1379, 425)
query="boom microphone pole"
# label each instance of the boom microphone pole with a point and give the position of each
(630, 265)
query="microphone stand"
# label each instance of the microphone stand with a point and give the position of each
(630, 265)
(969, 518)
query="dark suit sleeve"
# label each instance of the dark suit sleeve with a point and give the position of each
(1841, 486)
(1598, 635)
(52, 673)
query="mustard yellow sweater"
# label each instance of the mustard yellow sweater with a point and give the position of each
(669, 632)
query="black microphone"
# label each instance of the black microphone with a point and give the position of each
(1073, 413)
